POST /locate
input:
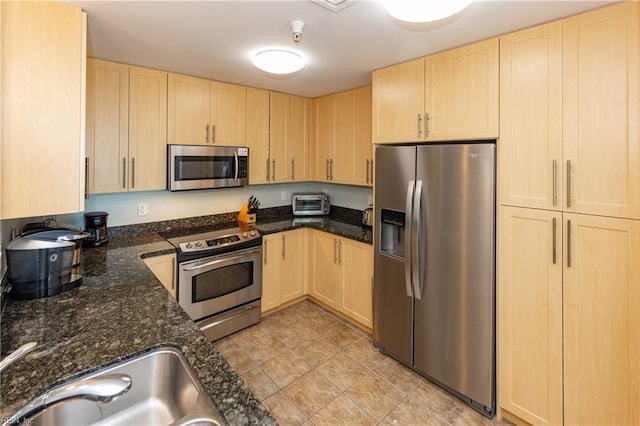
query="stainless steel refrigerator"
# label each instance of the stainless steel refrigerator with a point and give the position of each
(434, 264)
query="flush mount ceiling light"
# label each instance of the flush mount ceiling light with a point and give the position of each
(277, 61)
(424, 11)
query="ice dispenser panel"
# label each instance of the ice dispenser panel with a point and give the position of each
(392, 233)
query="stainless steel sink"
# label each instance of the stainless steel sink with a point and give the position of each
(164, 391)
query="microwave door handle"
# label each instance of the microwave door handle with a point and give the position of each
(235, 157)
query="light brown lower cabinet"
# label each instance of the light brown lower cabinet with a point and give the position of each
(283, 268)
(340, 275)
(569, 318)
(164, 268)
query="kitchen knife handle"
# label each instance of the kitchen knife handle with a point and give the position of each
(568, 243)
(407, 237)
(124, 173)
(555, 184)
(416, 258)
(86, 178)
(133, 173)
(554, 237)
(568, 183)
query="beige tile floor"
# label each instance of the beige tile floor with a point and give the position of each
(310, 367)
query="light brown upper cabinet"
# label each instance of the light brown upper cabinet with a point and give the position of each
(341, 145)
(601, 93)
(42, 159)
(204, 112)
(126, 127)
(452, 95)
(258, 135)
(530, 146)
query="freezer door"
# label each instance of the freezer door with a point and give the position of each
(455, 315)
(392, 297)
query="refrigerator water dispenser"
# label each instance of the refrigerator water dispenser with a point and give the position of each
(392, 233)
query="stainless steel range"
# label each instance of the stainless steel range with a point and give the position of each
(219, 278)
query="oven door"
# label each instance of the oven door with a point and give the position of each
(206, 167)
(215, 284)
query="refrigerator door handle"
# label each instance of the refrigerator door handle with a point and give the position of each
(416, 258)
(408, 236)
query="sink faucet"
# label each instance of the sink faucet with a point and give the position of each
(17, 354)
(103, 389)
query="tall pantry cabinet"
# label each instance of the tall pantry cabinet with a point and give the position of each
(569, 228)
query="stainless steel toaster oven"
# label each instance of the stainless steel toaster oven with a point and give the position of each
(310, 204)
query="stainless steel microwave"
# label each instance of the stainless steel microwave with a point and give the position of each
(206, 167)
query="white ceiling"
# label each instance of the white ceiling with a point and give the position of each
(216, 39)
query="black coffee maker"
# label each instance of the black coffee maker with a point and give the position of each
(95, 223)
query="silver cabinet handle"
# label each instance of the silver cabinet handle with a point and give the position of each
(273, 169)
(419, 126)
(213, 133)
(339, 252)
(335, 250)
(292, 168)
(124, 173)
(265, 252)
(173, 273)
(554, 238)
(555, 185)
(569, 243)
(86, 178)
(133, 173)
(426, 124)
(268, 170)
(206, 139)
(283, 243)
(331, 168)
(568, 183)
(327, 169)
(367, 170)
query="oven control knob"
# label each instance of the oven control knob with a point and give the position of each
(252, 233)
(188, 245)
(244, 235)
(199, 244)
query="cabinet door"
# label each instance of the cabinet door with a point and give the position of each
(530, 146)
(362, 144)
(341, 170)
(147, 129)
(271, 266)
(462, 93)
(601, 321)
(398, 102)
(292, 283)
(297, 139)
(356, 260)
(530, 314)
(278, 115)
(258, 134)
(188, 110)
(324, 132)
(164, 268)
(228, 114)
(601, 110)
(324, 269)
(43, 109)
(107, 138)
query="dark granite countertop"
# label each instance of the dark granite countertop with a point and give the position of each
(120, 310)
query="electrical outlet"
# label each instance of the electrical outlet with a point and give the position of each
(284, 195)
(370, 198)
(143, 209)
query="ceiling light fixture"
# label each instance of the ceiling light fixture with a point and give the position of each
(424, 11)
(282, 61)
(278, 61)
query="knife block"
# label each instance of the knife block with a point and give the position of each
(244, 215)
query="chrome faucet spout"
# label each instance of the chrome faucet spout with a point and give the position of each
(103, 389)
(17, 354)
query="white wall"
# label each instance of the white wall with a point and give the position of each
(165, 205)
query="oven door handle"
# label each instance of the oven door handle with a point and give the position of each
(220, 260)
